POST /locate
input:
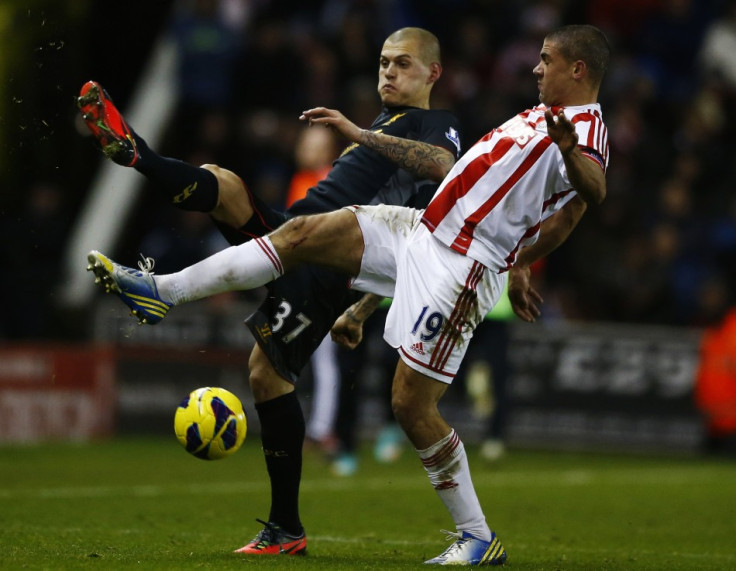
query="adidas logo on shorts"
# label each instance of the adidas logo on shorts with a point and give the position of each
(418, 348)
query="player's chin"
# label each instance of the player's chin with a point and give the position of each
(389, 97)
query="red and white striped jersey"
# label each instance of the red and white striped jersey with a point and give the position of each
(495, 198)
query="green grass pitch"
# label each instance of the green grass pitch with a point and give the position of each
(145, 503)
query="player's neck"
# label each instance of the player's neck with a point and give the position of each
(422, 103)
(579, 98)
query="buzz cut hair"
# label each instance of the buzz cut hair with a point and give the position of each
(427, 43)
(586, 43)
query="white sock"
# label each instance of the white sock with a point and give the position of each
(447, 466)
(242, 267)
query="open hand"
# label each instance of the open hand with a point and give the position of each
(561, 130)
(332, 119)
(525, 300)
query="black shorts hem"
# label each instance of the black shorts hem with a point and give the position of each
(260, 327)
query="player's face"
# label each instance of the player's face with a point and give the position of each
(403, 78)
(555, 77)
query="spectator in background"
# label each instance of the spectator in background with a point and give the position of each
(715, 387)
(315, 151)
(207, 47)
(668, 47)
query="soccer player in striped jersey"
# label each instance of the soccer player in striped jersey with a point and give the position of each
(513, 198)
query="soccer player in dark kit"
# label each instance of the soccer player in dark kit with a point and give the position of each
(399, 159)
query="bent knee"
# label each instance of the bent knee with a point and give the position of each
(214, 169)
(233, 204)
(227, 180)
(265, 382)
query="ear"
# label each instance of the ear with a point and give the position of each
(435, 71)
(579, 70)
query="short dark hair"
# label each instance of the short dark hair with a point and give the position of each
(586, 43)
(427, 42)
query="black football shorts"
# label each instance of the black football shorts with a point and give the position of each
(299, 310)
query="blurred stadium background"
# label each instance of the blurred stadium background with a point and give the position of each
(612, 363)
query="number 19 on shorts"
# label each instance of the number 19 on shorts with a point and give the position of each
(428, 326)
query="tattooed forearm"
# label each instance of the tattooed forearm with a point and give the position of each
(421, 159)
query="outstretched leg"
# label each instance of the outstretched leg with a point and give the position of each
(209, 188)
(333, 240)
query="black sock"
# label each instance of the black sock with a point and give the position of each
(184, 185)
(282, 435)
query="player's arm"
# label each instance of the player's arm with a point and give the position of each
(554, 231)
(586, 175)
(421, 159)
(348, 328)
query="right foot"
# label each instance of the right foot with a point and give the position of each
(272, 540)
(107, 125)
(469, 550)
(136, 288)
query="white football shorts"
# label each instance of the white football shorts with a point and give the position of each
(439, 295)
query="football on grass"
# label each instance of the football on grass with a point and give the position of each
(210, 423)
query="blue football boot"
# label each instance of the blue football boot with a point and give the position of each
(469, 550)
(136, 288)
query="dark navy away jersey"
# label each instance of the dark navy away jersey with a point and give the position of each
(362, 176)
